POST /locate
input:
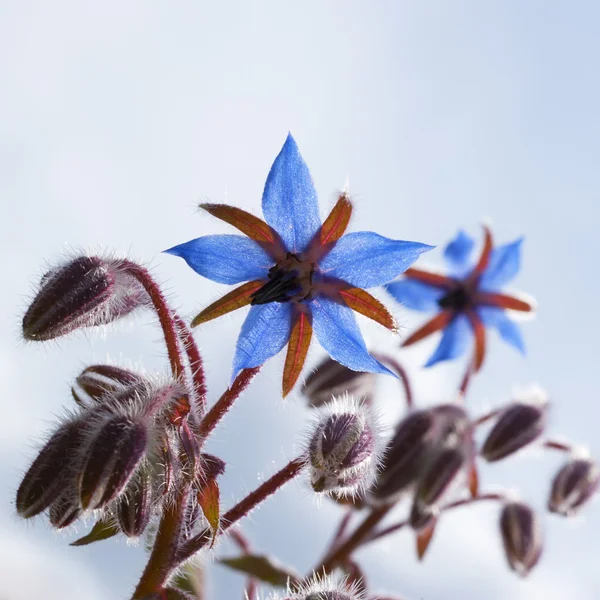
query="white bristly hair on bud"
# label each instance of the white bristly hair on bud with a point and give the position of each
(344, 447)
(323, 587)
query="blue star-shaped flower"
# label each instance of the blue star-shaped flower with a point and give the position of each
(301, 275)
(468, 299)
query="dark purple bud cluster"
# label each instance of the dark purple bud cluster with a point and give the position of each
(343, 448)
(83, 292)
(425, 457)
(122, 453)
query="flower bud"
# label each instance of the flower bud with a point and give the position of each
(97, 381)
(212, 466)
(522, 536)
(324, 588)
(436, 480)
(404, 456)
(452, 425)
(418, 438)
(110, 459)
(83, 292)
(331, 379)
(45, 480)
(343, 448)
(134, 507)
(518, 425)
(573, 486)
(64, 512)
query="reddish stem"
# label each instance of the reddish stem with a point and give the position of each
(164, 552)
(556, 445)
(485, 418)
(164, 313)
(243, 507)
(225, 402)
(195, 361)
(402, 524)
(402, 375)
(344, 550)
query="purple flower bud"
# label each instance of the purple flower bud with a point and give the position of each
(110, 459)
(452, 425)
(573, 486)
(45, 480)
(520, 528)
(440, 473)
(324, 588)
(64, 512)
(404, 456)
(518, 425)
(212, 466)
(134, 507)
(418, 438)
(97, 381)
(343, 448)
(83, 292)
(331, 379)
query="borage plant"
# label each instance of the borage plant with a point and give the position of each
(131, 452)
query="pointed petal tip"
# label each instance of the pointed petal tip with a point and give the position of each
(175, 251)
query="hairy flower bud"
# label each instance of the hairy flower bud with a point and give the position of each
(97, 381)
(343, 448)
(64, 512)
(441, 472)
(83, 292)
(44, 482)
(134, 506)
(573, 486)
(518, 425)
(111, 457)
(331, 379)
(324, 588)
(520, 528)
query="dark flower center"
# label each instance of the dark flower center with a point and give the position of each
(457, 299)
(290, 279)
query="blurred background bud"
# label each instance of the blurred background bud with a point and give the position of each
(573, 486)
(435, 481)
(404, 456)
(109, 460)
(517, 426)
(97, 381)
(418, 440)
(45, 480)
(83, 292)
(331, 379)
(521, 533)
(343, 448)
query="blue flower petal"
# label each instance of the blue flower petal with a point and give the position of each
(338, 333)
(509, 331)
(365, 259)
(455, 341)
(415, 294)
(505, 263)
(289, 200)
(265, 332)
(225, 258)
(458, 253)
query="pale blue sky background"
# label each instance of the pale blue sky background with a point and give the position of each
(117, 118)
